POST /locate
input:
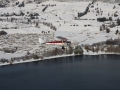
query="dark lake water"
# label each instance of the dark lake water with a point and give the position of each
(101, 72)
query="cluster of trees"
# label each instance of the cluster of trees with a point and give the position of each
(49, 5)
(10, 19)
(17, 3)
(3, 33)
(84, 13)
(104, 27)
(113, 49)
(113, 42)
(94, 49)
(103, 48)
(26, 57)
(117, 32)
(103, 19)
(118, 21)
(34, 15)
(9, 51)
(19, 14)
(13, 14)
(112, 25)
(86, 10)
(87, 25)
(114, 7)
(49, 25)
(37, 55)
(45, 8)
(98, 11)
(2, 5)
(115, 14)
(3, 60)
(21, 5)
(78, 50)
(58, 51)
(108, 42)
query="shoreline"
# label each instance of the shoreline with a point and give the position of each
(33, 60)
(52, 57)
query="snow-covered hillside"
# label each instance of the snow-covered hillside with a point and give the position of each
(62, 16)
(56, 18)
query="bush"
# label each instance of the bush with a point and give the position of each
(93, 50)
(101, 19)
(87, 48)
(107, 30)
(118, 21)
(110, 19)
(35, 56)
(21, 5)
(101, 28)
(32, 17)
(70, 50)
(3, 33)
(78, 50)
(117, 32)
(9, 51)
(75, 52)
(112, 25)
(104, 27)
(115, 15)
(3, 60)
(97, 49)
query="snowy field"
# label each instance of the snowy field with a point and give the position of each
(61, 15)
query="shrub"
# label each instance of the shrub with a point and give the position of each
(118, 21)
(87, 48)
(110, 19)
(3, 33)
(101, 28)
(75, 52)
(114, 7)
(104, 27)
(9, 51)
(70, 50)
(78, 50)
(93, 50)
(97, 49)
(117, 32)
(101, 19)
(107, 30)
(21, 5)
(112, 25)
(35, 56)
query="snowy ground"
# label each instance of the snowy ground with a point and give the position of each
(62, 17)
(64, 21)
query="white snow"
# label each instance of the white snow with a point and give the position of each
(62, 17)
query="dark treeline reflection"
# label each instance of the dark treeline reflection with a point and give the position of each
(63, 60)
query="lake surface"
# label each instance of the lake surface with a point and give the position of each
(101, 72)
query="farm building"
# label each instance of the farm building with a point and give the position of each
(60, 41)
